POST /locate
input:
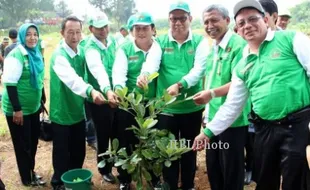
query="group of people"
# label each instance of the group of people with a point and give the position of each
(256, 76)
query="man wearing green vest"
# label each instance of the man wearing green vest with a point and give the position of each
(181, 64)
(274, 73)
(67, 94)
(100, 54)
(129, 61)
(225, 166)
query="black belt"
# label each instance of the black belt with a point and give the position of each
(295, 117)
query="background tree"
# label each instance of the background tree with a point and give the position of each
(62, 9)
(46, 5)
(118, 10)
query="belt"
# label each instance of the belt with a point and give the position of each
(297, 116)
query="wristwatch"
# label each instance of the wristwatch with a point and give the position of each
(213, 95)
(179, 85)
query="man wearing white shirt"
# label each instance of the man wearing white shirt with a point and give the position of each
(274, 72)
(130, 58)
(99, 54)
(181, 64)
(68, 92)
(225, 166)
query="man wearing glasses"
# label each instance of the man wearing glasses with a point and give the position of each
(181, 63)
(274, 72)
(225, 166)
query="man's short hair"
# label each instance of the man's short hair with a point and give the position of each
(13, 33)
(69, 18)
(269, 6)
(6, 39)
(217, 7)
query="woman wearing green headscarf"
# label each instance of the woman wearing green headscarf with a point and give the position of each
(21, 101)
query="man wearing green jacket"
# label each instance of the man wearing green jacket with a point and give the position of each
(225, 166)
(274, 73)
(100, 54)
(129, 61)
(67, 94)
(181, 64)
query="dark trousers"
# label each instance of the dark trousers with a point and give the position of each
(68, 149)
(249, 158)
(128, 140)
(226, 165)
(103, 117)
(185, 126)
(25, 141)
(89, 127)
(280, 150)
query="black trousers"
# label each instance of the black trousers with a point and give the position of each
(249, 145)
(103, 117)
(185, 126)
(226, 165)
(128, 140)
(89, 126)
(68, 149)
(25, 141)
(281, 150)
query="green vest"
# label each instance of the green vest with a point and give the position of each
(221, 73)
(107, 57)
(29, 97)
(84, 41)
(176, 63)
(135, 61)
(276, 80)
(66, 108)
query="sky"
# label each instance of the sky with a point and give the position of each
(159, 8)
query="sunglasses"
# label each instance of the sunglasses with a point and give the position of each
(176, 19)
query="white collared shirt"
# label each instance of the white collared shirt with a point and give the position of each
(67, 74)
(95, 65)
(120, 67)
(238, 92)
(195, 74)
(223, 44)
(13, 68)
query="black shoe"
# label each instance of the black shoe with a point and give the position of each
(35, 182)
(247, 178)
(124, 186)
(109, 178)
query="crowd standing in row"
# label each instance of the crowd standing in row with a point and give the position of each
(260, 70)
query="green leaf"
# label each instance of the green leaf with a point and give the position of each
(148, 123)
(135, 159)
(131, 97)
(125, 91)
(157, 169)
(139, 184)
(139, 98)
(140, 110)
(167, 163)
(101, 164)
(122, 152)
(160, 145)
(152, 76)
(151, 110)
(147, 154)
(131, 168)
(120, 162)
(146, 175)
(120, 93)
(115, 144)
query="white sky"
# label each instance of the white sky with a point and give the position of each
(159, 8)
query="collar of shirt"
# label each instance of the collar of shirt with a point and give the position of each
(137, 49)
(224, 40)
(100, 44)
(22, 49)
(190, 36)
(70, 51)
(269, 37)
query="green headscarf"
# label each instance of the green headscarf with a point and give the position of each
(36, 64)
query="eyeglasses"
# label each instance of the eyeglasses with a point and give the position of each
(176, 19)
(251, 20)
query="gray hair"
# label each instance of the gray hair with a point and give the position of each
(220, 8)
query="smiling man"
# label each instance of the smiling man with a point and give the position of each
(225, 166)
(181, 63)
(274, 73)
